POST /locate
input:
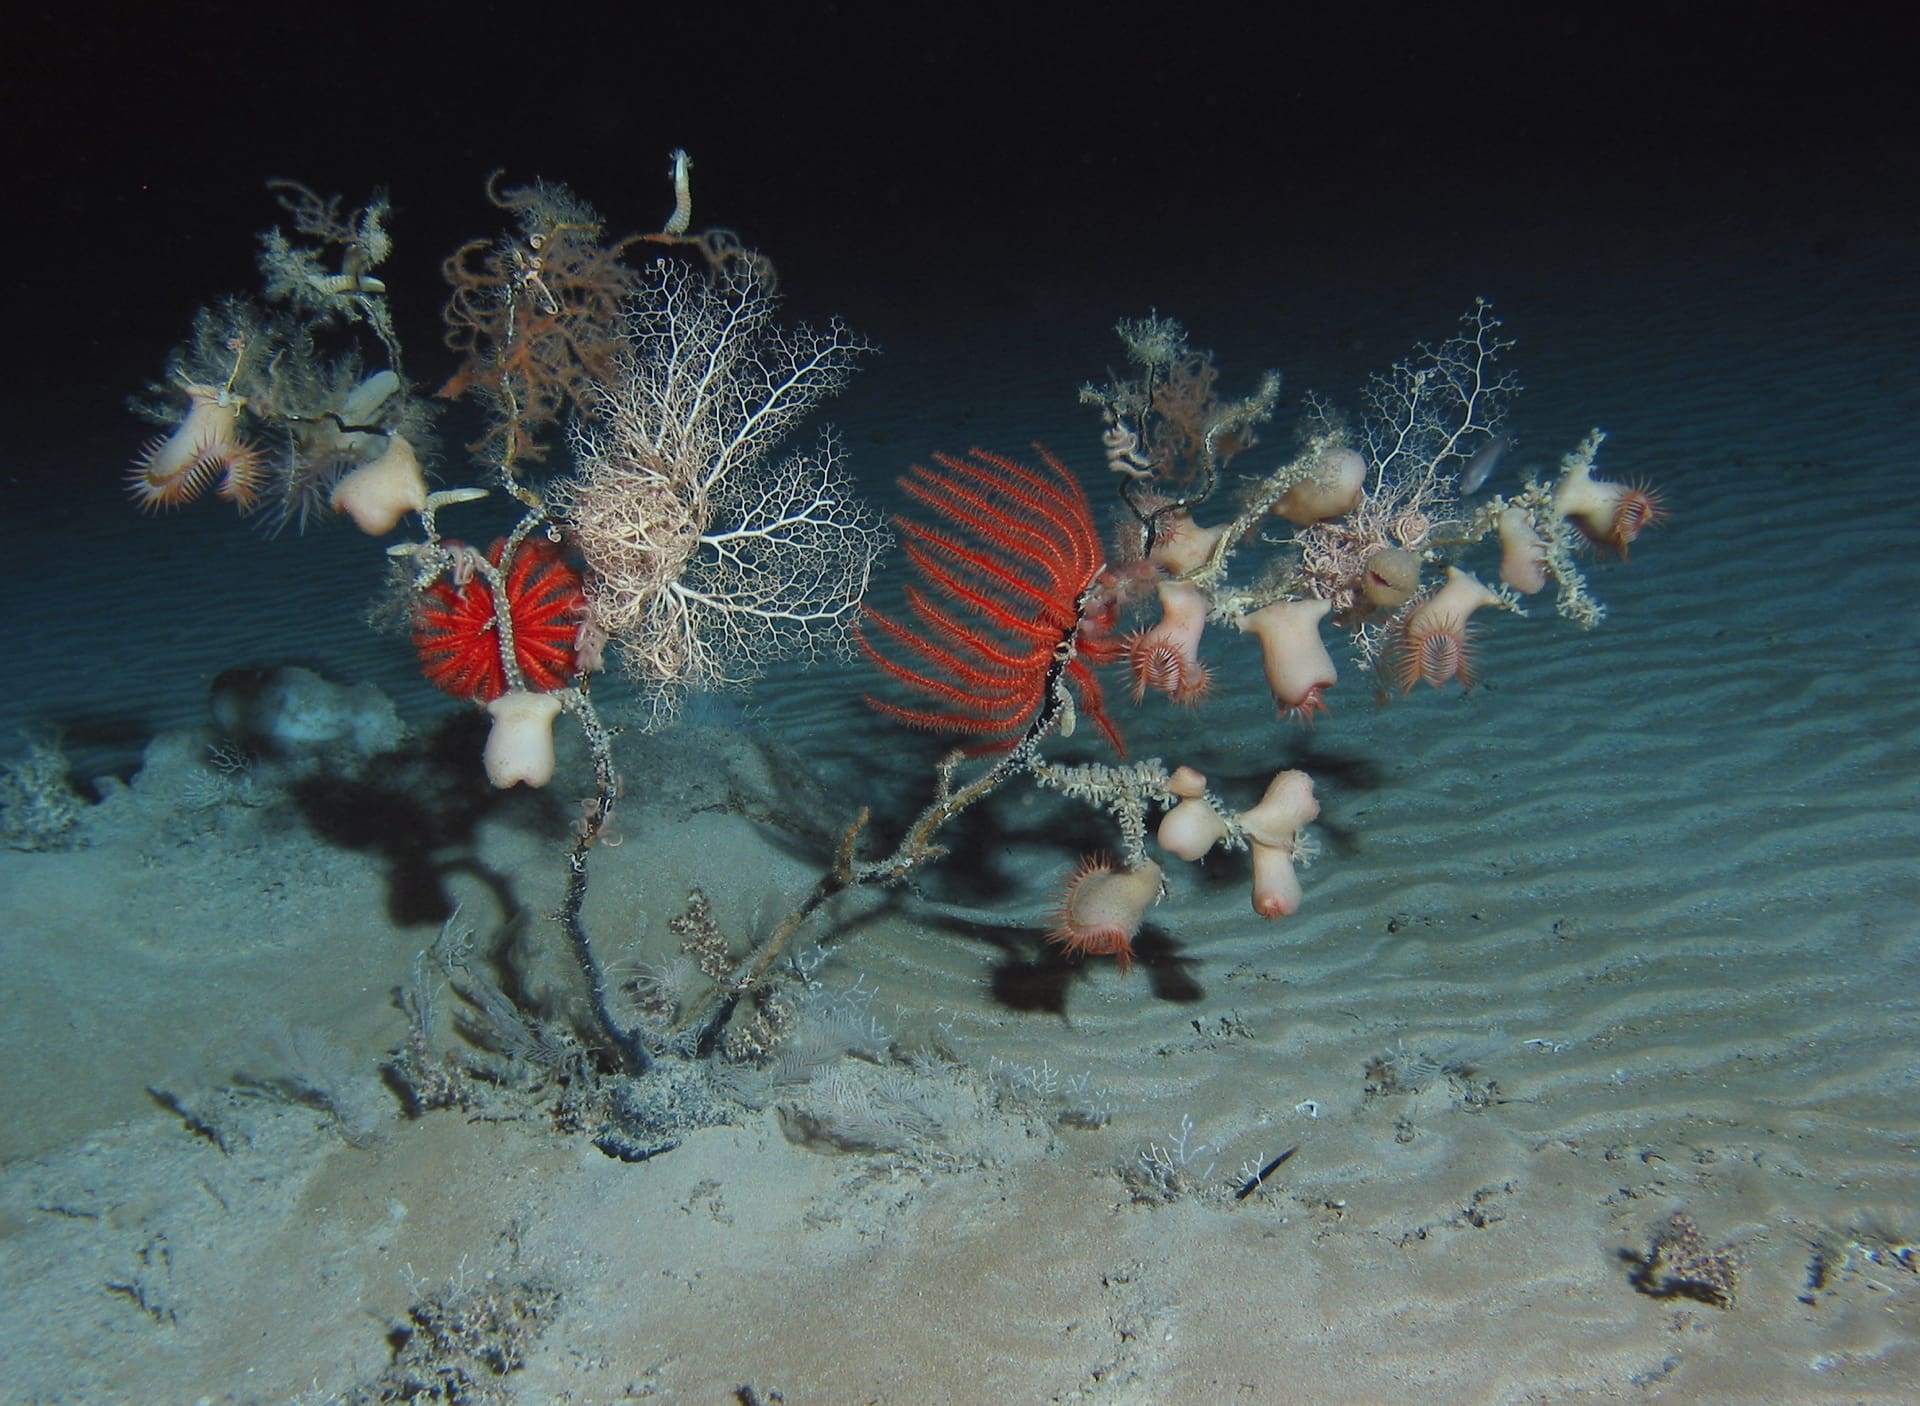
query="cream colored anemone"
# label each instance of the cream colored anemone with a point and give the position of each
(1331, 489)
(1273, 827)
(1102, 908)
(1523, 556)
(1193, 826)
(520, 743)
(1299, 669)
(378, 494)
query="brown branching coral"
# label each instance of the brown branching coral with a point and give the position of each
(536, 315)
(1168, 424)
(1189, 432)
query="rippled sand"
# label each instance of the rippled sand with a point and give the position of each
(1628, 931)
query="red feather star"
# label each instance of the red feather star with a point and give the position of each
(1007, 577)
(457, 639)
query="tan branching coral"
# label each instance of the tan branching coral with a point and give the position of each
(707, 557)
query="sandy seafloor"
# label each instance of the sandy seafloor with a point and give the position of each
(1634, 924)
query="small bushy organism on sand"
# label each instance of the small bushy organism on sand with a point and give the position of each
(1683, 1264)
(39, 809)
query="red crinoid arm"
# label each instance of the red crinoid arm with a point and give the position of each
(988, 693)
(984, 671)
(1014, 606)
(1004, 576)
(1044, 523)
(1040, 527)
(458, 646)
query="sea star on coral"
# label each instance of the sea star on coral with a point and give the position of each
(455, 634)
